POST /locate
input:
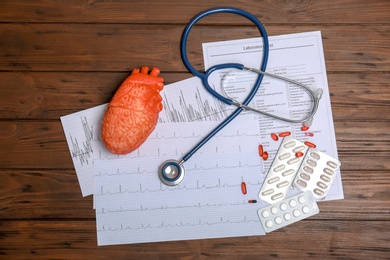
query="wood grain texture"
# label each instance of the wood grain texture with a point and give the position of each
(122, 47)
(59, 57)
(152, 12)
(49, 95)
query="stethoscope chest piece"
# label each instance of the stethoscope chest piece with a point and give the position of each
(171, 172)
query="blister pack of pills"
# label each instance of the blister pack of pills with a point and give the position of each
(283, 170)
(288, 211)
(316, 173)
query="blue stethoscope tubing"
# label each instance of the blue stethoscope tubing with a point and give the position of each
(171, 172)
(205, 76)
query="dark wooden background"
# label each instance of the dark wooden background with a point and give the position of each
(59, 57)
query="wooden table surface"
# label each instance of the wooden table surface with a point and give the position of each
(59, 57)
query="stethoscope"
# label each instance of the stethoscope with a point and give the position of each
(171, 172)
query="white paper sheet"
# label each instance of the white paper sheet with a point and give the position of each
(81, 129)
(296, 56)
(184, 101)
(133, 206)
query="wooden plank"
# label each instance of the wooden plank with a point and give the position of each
(156, 12)
(49, 95)
(41, 95)
(54, 194)
(308, 238)
(121, 47)
(361, 145)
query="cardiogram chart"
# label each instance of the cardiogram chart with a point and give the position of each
(132, 204)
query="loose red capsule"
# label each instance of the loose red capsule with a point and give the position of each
(261, 150)
(298, 154)
(310, 144)
(284, 134)
(265, 156)
(309, 134)
(252, 201)
(304, 128)
(243, 187)
(274, 137)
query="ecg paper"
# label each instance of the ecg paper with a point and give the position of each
(184, 101)
(297, 56)
(133, 206)
(80, 129)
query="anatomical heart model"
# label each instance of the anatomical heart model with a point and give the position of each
(132, 114)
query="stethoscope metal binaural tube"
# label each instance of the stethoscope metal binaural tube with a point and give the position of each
(315, 96)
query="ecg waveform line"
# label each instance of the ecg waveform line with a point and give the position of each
(162, 207)
(195, 168)
(201, 110)
(200, 222)
(156, 136)
(83, 153)
(162, 188)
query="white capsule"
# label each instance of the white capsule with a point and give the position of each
(332, 164)
(279, 168)
(293, 160)
(315, 155)
(282, 184)
(284, 156)
(288, 172)
(273, 180)
(289, 144)
(299, 148)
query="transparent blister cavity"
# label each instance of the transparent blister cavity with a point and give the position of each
(288, 211)
(316, 174)
(282, 171)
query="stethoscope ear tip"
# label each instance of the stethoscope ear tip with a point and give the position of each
(318, 93)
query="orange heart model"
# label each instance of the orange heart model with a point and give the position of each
(132, 114)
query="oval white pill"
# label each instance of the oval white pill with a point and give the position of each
(265, 214)
(292, 203)
(296, 213)
(278, 220)
(283, 206)
(306, 209)
(269, 223)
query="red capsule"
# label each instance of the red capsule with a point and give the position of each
(309, 134)
(243, 187)
(298, 154)
(261, 150)
(284, 134)
(304, 128)
(274, 137)
(310, 144)
(252, 201)
(265, 156)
